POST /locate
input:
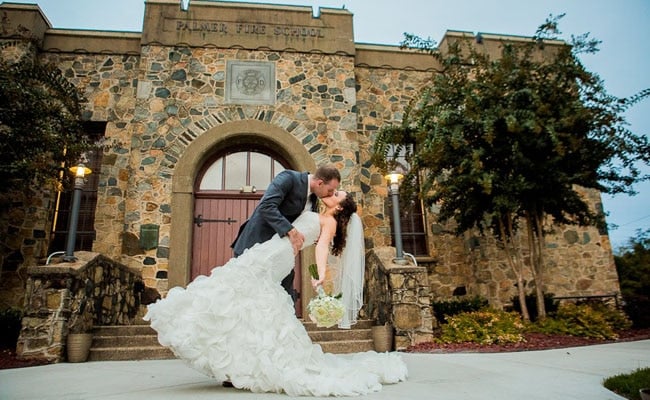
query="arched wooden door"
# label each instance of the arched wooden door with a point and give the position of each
(227, 190)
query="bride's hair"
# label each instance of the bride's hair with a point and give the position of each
(348, 207)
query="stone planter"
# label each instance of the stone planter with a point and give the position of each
(382, 336)
(78, 346)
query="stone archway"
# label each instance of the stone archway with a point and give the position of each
(192, 159)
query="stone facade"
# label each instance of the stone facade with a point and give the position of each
(24, 229)
(579, 262)
(163, 95)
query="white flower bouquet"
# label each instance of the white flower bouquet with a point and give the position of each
(325, 310)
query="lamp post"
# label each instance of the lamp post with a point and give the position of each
(393, 179)
(79, 171)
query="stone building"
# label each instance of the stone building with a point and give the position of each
(198, 111)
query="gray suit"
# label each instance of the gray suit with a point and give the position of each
(283, 201)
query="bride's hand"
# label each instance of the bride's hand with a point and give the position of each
(316, 282)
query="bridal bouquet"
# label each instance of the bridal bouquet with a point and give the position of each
(324, 310)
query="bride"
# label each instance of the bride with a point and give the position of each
(239, 324)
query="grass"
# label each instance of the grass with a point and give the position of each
(628, 385)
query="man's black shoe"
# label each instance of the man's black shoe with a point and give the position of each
(227, 384)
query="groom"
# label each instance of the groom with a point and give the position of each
(289, 194)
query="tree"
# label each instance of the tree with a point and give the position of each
(633, 267)
(500, 144)
(40, 124)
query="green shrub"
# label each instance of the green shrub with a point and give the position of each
(550, 304)
(628, 385)
(637, 306)
(10, 324)
(486, 326)
(448, 308)
(615, 317)
(576, 320)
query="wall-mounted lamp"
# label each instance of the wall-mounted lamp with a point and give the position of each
(394, 178)
(79, 171)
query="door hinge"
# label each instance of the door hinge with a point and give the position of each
(199, 220)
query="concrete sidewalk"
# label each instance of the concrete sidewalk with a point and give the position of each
(572, 373)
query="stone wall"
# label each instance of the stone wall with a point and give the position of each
(382, 96)
(579, 262)
(25, 216)
(108, 83)
(66, 297)
(180, 97)
(24, 239)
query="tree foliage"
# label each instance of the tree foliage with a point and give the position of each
(505, 140)
(40, 124)
(633, 267)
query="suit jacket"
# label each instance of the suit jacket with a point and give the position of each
(283, 201)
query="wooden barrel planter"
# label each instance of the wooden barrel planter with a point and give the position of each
(382, 336)
(78, 346)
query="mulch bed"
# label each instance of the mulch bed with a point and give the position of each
(533, 341)
(8, 360)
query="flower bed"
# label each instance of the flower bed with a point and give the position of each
(532, 341)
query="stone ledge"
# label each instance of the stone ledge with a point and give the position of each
(84, 259)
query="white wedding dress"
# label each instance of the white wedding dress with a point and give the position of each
(239, 324)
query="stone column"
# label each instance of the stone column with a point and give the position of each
(406, 303)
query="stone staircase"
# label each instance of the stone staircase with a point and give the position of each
(340, 341)
(139, 342)
(127, 342)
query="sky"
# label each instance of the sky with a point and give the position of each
(623, 60)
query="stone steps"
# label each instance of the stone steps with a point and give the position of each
(139, 342)
(342, 341)
(127, 342)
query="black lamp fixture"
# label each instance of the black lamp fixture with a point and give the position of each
(394, 178)
(79, 171)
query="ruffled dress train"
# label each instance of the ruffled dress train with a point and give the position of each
(239, 324)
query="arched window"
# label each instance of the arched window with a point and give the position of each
(240, 171)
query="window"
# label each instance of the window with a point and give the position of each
(240, 169)
(86, 223)
(414, 238)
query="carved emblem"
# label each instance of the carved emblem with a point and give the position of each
(250, 82)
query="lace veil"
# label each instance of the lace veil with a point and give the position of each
(348, 272)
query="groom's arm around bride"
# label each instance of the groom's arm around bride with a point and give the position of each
(283, 201)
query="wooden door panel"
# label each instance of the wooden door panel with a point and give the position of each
(211, 240)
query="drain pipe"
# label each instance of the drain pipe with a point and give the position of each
(56, 253)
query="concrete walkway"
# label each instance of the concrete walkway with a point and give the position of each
(572, 373)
